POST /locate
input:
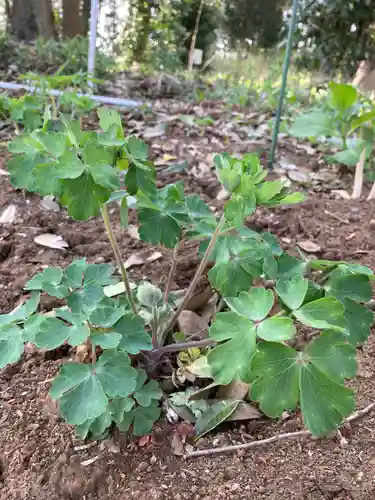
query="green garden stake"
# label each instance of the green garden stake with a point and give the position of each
(288, 51)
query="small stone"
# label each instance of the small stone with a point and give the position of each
(372, 223)
(153, 460)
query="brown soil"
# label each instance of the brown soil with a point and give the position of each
(39, 456)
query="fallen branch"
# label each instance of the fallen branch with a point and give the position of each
(289, 436)
(337, 217)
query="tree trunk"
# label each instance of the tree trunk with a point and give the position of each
(144, 9)
(72, 23)
(8, 15)
(44, 18)
(23, 22)
(86, 12)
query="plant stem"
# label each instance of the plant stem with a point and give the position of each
(154, 329)
(54, 107)
(116, 251)
(196, 278)
(185, 345)
(171, 273)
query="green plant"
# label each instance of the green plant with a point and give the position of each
(70, 101)
(46, 56)
(347, 122)
(26, 111)
(129, 335)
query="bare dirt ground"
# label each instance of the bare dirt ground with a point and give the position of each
(39, 455)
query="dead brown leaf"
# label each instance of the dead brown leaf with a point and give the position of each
(244, 411)
(133, 231)
(137, 259)
(51, 241)
(309, 246)
(48, 204)
(200, 171)
(8, 215)
(236, 390)
(192, 325)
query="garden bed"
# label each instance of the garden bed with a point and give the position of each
(39, 455)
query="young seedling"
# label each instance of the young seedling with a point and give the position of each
(346, 121)
(130, 334)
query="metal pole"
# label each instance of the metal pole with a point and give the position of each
(288, 51)
(126, 103)
(92, 41)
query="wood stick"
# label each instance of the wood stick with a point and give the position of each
(371, 195)
(358, 176)
(279, 437)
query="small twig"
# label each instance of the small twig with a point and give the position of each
(358, 176)
(337, 217)
(120, 262)
(171, 273)
(279, 437)
(196, 335)
(197, 276)
(184, 345)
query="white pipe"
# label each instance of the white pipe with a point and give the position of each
(92, 41)
(115, 101)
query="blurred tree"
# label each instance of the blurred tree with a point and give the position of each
(29, 19)
(44, 18)
(209, 23)
(143, 13)
(86, 12)
(73, 20)
(335, 36)
(253, 23)
(23, 22)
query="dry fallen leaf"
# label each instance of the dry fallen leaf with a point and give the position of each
(309, 246)
(191, 324)
(177, 445)
(237, 390)
(299, 176)
(200, 171)
(154, 256)
(153, 132)
(341, 193)
(8, 215)
(244, 411)
(51, 241)
(309, 150)
(133, 231)
(144, 440)
(136, 259)
(285, 164)
(48, 203)
(168, 157)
